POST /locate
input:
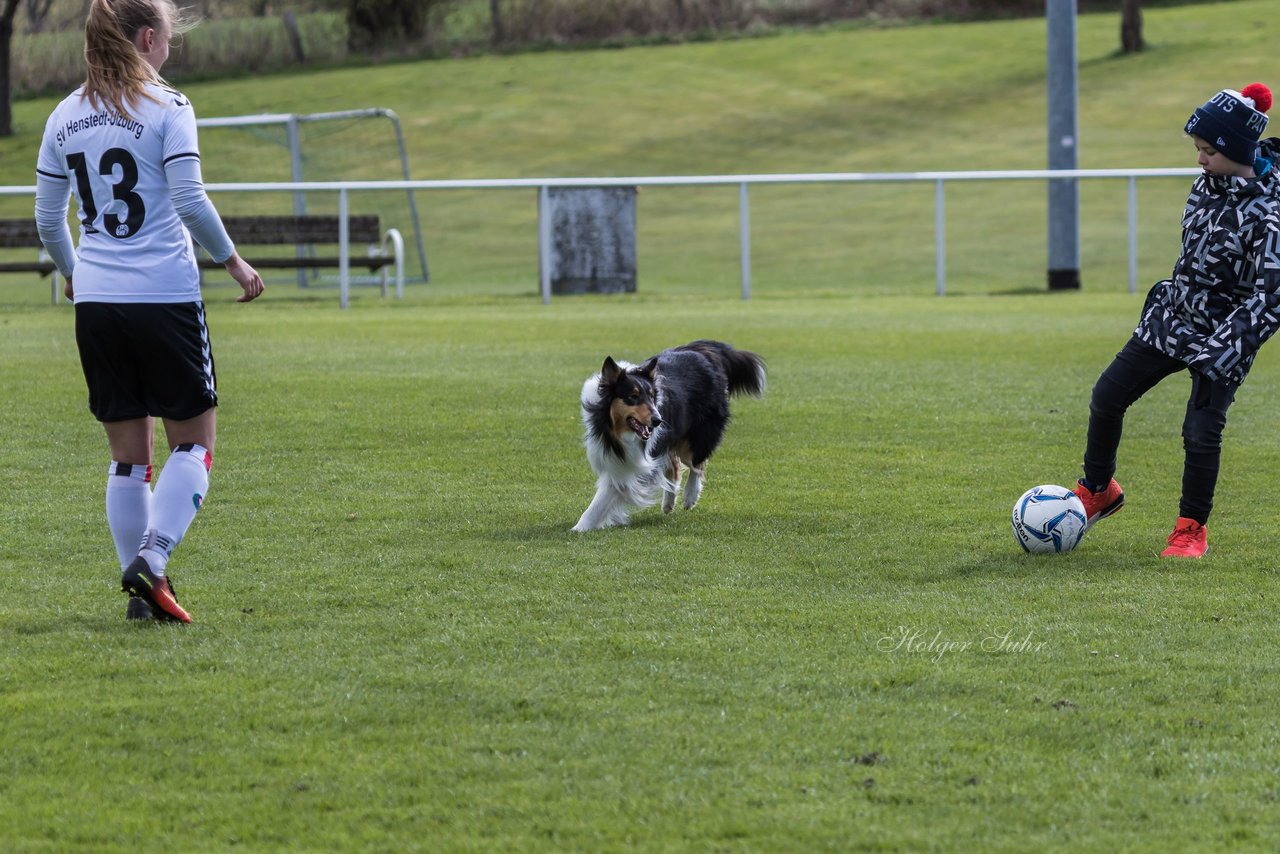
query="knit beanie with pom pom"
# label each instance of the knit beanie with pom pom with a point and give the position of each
(1232, 122)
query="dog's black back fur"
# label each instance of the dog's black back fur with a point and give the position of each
(694, 384)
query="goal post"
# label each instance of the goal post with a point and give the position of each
(347, 148)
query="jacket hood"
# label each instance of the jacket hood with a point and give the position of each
(1266, 183)
(1271, 149)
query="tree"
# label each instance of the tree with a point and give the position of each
(373, 23)
(495, 16)
(37, 14)
(7, 13)
(1131, 26)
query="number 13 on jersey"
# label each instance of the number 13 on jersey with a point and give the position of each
(124, 213)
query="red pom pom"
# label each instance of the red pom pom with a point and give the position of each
(1260, 94)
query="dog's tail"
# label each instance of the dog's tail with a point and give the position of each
(746, 370)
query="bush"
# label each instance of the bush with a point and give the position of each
(54, 62)
(533, 22)
(227, 43)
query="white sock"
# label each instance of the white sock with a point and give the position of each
(128, 507)
(180, 491)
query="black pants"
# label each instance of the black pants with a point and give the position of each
(1137, 369)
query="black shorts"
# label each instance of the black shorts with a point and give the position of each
(144, 359)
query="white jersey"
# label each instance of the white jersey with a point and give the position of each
(132, 246)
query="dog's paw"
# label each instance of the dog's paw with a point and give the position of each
(596, 524)
(692, 492)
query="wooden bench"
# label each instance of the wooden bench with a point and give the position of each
(385, 250)
(300, 230)
(22, 234)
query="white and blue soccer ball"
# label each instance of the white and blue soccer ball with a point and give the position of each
(1048, 519)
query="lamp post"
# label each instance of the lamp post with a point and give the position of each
(1064, 197)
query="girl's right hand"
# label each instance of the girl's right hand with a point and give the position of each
(247, 277)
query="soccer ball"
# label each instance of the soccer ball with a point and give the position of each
(1048, 519)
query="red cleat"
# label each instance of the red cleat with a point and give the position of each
(139, 580)
(1189, 539)
(1099, 505)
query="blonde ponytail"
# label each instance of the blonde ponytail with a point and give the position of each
(116, 75)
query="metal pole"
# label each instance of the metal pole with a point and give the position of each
(299, 199)
(1064, 198)
(1133, 235)
(744, 239)
(544, 242)
(940, 238)
(413, 205)
(344, 251)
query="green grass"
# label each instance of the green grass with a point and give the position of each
(399, 644)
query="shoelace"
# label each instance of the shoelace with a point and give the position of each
(1184, 536)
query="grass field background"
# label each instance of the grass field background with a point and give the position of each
(399, 645)
(398, 642)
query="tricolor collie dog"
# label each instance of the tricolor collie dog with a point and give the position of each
(646, 423)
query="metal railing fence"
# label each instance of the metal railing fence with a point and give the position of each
(743, 182)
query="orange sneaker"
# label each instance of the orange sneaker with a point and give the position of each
(138, 580)
(1189, 539)
(1099, 505)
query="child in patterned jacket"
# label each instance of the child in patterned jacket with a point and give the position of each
(1209, 319)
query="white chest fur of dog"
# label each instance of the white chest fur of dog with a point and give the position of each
(634, 480)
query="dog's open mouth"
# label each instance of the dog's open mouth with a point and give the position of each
(641, 430)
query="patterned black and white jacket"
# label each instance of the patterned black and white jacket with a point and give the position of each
(1223, 300)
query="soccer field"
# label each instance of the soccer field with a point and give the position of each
(399, 645)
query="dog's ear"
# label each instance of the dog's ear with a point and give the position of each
(649, 368)
(610, 372)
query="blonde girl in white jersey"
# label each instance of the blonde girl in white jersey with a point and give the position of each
(124, 144)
